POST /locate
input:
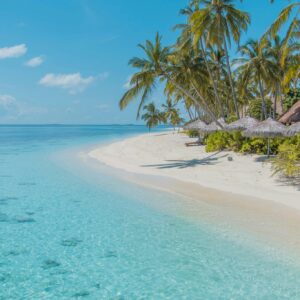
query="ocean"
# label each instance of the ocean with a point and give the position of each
(65, 235)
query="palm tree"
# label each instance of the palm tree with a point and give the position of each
(153, 117)
(144, 80)
(292, 33)
(187, 69)
(158, 66)
(176, 120)
(171, 113)
(185, 43)
(169, 108)
(256, 66)
(287, 63)
(216, 24)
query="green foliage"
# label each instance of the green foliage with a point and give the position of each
(259, 146)
(231, 118)
(255, 108)
(153, 117)
(176, 120)
(171, 114)
(192, 133)
(288, 159)
(291, 98)
(217, 141)
(236, 142)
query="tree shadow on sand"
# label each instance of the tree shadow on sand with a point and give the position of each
(183, 164)
(281, 179)
(289, 181)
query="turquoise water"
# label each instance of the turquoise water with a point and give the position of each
(63, 237)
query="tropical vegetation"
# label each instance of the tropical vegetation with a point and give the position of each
(199, 74)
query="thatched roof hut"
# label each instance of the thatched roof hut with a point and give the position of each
(266, 129)
(292, 115)
(195, 125)
(213, 127)
(293, 129)
(242, 124)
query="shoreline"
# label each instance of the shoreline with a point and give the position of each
(165, 155)
(272, 222)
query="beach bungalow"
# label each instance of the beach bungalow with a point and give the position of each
(292, 115)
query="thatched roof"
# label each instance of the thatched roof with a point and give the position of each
(213, 127)
(195, 125)
(293, 129)
(292, 115)
(267, 129)
(242, 124)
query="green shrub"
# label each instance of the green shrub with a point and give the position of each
(192, 133)
(254, 146)
(260, 146)
(236, 142)
(217, 141)
(287, 160)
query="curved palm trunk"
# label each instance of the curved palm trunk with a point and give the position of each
(212, 79)
(197, 110)
(275, 100)
(263, 102)
(194, 99)
(207, 108)
(275, 106)
(231, 80)
(189, 113)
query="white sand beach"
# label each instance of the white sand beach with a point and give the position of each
(165, 154)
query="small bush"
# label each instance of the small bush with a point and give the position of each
(192, 133)
(217, 141)
(236, 142)
(288, 158)
(254, 146)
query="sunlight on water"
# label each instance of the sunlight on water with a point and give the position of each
(66, 238)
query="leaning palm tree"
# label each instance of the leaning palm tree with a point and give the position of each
(286, 57)
(216, 24)
(256, 66)
(185, 43)
(187, 69)
(177, 96)
(157, 67)
(144, 80)
(153, 117)
(292, 33)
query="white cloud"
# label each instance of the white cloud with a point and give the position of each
(6, 101)
(35, 61)
(14, 51)
(11, 109)
(74, 83)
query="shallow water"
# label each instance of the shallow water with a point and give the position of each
(63, 237)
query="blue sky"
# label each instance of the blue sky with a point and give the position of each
(65, 61)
